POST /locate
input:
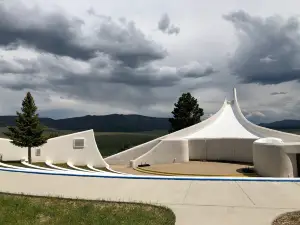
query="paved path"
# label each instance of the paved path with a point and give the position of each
(194, 202)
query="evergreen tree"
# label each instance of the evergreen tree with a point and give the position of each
(28, 131)
(186, 112)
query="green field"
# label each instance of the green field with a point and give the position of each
(21, 210)
(111, 143)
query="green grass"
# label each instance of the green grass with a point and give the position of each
(84, 167)
(27, 210)
(103, 169)
(41, 164)
(110, 144)
(62, 165)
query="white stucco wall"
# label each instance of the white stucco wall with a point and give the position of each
(59, 150)
(10, 151)
(271, 159)
(197, 149)
(124, 158)
(167, 151)
(237, 150)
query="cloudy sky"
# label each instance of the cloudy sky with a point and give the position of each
(137, 57)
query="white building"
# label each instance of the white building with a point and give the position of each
(78, 149)
(226, 136)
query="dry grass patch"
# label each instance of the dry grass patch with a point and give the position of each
(290, 218)
(20, 210)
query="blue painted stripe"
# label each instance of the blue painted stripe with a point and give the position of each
(137, 177)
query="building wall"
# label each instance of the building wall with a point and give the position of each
(124, 158)
(272, 158)
(9, 151)
(237, 150)
(58, 150)
(197, 149)
(167, 151)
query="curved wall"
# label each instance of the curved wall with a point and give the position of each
(124, 158)
(167, 151)
(257, 130)
(273, 159)
(58, 150)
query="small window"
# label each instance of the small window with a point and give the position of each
(78, 143)
(38, 152)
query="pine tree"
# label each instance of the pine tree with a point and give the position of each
(28, 131)
(186, 112)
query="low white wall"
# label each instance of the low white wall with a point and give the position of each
(58, 150)
(271, 159)
(124, 158)
(237, 150)
(243, 150)
(10, 151)
(167, 151)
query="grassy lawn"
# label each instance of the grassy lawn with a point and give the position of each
(21, 210)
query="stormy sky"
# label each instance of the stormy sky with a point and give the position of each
(137, 57)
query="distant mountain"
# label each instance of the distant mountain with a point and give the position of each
(283, 125)
(107, 123)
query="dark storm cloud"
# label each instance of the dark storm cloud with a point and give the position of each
(57, 34)
(278, 93)
(18, 66)
(50, 33)
(196, 70)
(165, 26)
(54, 71)
(103, 79)
(114, 63)
(269, 48)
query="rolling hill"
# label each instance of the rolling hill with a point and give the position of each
(106, 123)
(283, 125)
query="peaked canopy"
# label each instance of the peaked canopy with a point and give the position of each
(228, 122)
(225, 125)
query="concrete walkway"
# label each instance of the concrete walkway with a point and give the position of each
(194, 202)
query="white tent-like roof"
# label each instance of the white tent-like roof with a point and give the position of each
(225, 125)
(229, 122)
